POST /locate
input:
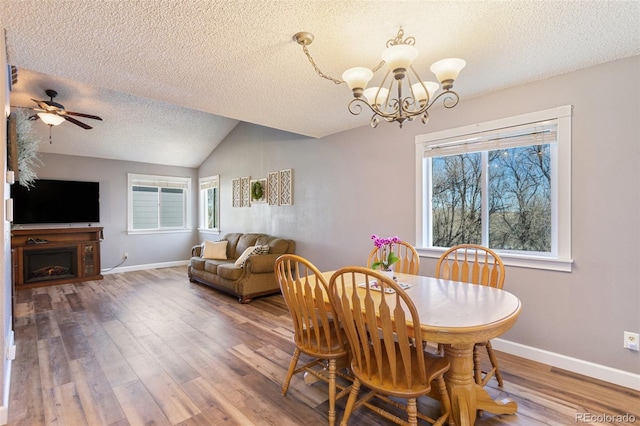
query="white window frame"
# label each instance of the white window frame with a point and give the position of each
(206, 183)
(159, 182)
(561, 187)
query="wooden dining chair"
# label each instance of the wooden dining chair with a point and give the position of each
(387, 357)
(316, 330)
(475, 264)
(409, 262)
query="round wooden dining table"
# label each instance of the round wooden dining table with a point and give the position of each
(458, 315)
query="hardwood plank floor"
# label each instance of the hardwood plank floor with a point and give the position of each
(149, 347)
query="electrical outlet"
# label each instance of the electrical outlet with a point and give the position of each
(11, 352)
(125, 255)
(632, 341)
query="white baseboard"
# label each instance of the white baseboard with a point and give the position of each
(144, 267)
(575, 365)
(4, 415)
(4, 409)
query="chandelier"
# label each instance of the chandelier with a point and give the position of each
(402, 95)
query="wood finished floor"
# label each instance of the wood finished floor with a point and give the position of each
(151, 348)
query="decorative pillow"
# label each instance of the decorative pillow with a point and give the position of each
(214, 249)
(250, 251)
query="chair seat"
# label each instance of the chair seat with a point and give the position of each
(384, 381)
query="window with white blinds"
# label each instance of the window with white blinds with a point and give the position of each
(504, 184)
(209, 205)
(157, 203)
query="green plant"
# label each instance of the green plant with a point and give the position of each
(27, 145)
(257, 191)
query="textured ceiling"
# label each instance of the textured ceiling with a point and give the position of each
(172, 78)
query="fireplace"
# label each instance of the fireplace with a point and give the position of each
(50, 264)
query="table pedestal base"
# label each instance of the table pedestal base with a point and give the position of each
(466, 396)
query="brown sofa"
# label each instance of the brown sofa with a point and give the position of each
(255, 278)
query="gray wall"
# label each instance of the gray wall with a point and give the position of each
(143, 249)
(350, 185)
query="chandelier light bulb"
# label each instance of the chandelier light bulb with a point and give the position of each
(379, 100)
(447, 70)
(357, 79)
(400, 56)
(420, 94)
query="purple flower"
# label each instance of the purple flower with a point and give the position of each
(387, 257)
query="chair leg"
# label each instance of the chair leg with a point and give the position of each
(353, 396)
(332, 392)
(292, 368)
(494, 363)
(412, 411)
(445, 402)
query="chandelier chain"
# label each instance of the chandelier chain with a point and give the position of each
(320, 73)
(328, 77)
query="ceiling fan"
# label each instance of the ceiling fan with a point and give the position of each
(53, 113)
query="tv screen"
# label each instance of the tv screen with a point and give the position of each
(56, 201)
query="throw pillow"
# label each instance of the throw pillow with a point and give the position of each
(250, 251)
(215, 250)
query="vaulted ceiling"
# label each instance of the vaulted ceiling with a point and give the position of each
(172, 78)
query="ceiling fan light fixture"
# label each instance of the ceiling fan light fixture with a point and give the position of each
(51, 119)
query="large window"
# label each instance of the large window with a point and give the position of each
(158, 203)
(209, 216)
(503, 184)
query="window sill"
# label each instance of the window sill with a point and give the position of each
(209, 231)
(157, 231)
(512, 259)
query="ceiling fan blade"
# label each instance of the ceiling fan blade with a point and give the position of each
(76, 122)
(79, 114)
(42, 104)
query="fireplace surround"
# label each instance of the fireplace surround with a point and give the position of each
(55, 256)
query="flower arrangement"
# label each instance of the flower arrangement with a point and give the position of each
(387, 256)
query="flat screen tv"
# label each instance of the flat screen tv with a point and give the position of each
(56, 201)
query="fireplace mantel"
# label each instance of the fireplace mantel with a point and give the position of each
(34, 251)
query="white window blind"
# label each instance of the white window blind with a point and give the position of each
(157, 203)
(538, 134)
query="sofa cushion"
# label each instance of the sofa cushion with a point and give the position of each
(229, 271)
(245, 241)
(198, 263)
(276, 245)
(215, 250)
(250, 251)
(211, 266)
(233, 242)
